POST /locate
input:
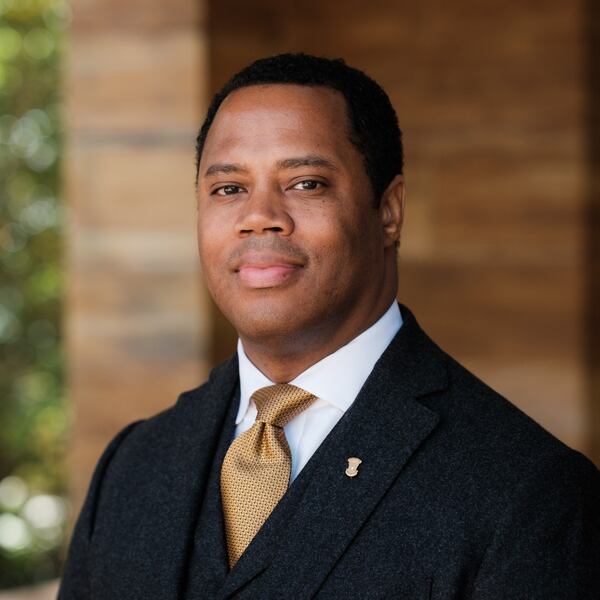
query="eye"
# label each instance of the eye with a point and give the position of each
(308, 185)
(227, 190)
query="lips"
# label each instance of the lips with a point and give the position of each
(263, 277)
(265, 270)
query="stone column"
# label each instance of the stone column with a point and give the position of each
(136, 314)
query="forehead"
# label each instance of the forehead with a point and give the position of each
(262, 116)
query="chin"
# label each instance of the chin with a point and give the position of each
(270, 321)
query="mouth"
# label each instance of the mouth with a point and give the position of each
(266, 270)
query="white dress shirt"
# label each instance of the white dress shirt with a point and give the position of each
(335, 381)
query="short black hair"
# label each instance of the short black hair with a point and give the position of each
(374, 126)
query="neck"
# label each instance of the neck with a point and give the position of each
(283, 359)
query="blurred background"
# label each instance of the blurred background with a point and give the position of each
(103, 315)
(34, 412)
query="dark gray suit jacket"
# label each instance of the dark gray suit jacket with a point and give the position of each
(459, 495)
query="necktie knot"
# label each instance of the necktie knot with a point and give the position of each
(278, 404)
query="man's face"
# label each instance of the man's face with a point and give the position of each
(290, 242)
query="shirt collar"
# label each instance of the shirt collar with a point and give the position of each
(338, 377)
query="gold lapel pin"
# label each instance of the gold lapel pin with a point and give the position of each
(352, 470)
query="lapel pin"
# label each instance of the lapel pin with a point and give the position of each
(352, 469)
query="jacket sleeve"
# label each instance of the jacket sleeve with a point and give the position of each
(547, 543)
(75, 582)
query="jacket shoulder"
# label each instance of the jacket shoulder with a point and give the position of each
(188, 405)
(496, 438)
(144, 443)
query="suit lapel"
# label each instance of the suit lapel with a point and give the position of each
(383, 428)
(209, 563)
(180, 484)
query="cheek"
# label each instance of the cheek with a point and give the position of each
(336, 250)
(213, 227)
(353, 256)
(211, 247)
(341, 238)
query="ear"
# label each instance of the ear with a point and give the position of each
(392, 211)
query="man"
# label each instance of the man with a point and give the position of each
(340, 453)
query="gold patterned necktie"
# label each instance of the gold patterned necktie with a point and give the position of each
(256, 469)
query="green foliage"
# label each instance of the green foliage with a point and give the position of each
(33, 414)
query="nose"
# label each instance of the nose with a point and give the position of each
(262, 212)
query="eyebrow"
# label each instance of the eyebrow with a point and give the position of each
(225, 168)
(310, 160)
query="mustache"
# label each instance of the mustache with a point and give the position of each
(271, 244)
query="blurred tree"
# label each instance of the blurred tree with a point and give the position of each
(33, 415)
